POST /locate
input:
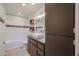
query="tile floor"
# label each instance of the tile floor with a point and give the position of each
(22, 51)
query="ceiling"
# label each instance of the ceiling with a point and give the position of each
(26, 11)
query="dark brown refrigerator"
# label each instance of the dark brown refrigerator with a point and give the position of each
(59, 23)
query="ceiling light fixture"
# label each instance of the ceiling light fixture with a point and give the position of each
(23, 4)
(19, 13)
(33, 3)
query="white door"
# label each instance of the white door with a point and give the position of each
(2, 39)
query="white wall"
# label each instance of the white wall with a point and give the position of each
(2, 29)
(2, 12)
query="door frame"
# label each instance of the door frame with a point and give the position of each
(76, 29)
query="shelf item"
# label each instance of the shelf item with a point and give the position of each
(32, 25)
(32, 22)
(32, 29)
